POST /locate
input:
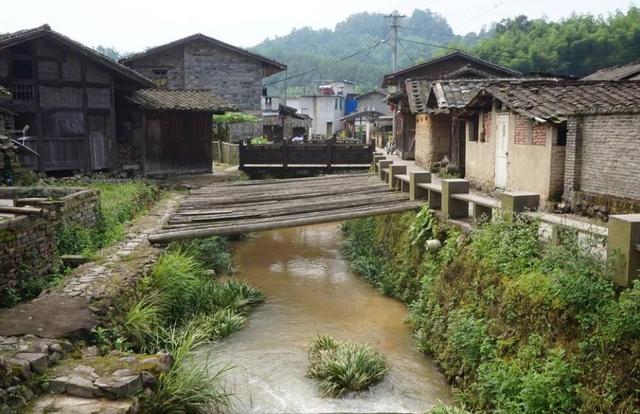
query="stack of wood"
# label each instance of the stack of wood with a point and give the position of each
(249, 206)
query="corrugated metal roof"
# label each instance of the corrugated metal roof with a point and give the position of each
(194, 100)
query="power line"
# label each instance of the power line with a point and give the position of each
(394, 26)
(342, 59)
(413, 60)
(431, 44)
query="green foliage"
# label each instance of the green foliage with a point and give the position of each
(262, 140)
(578, 45)
(234, 118)
(519, 326)
(190, 386)
(447, 409)
(119, 203)
(341, 367)
(212, 252)
(422, 228)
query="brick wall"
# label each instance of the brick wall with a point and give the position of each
(539, 133)
(603, 156)
(27, 242)
(522, 130)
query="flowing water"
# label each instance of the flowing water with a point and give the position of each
(310, 291)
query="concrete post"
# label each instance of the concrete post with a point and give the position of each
(451, 207)
(624, 239)
(393, 171)
(382, 164)
(415, 178)
(435, 200)
(482, 212)
(377, 158)
(519, 201)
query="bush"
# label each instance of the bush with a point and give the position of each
(189, 386)
(518, 325)
(213, 252)
(343, 366)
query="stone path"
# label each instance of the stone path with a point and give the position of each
(69, 309)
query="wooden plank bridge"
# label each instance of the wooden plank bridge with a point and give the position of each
(258, 205)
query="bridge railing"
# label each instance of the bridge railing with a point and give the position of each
(324, 154)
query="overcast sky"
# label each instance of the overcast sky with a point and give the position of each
(132, 25)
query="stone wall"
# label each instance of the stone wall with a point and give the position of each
(433, 136)
(603, 156)
(27, 242)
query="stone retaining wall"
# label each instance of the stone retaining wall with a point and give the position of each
(27, 242)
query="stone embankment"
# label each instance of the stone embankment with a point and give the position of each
(35, 346)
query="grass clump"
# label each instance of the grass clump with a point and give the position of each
(517, 325)
(341, 367)
(119, 204)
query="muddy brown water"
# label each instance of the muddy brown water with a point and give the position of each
(310, 291)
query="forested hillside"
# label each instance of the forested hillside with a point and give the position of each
(574, 46)
(316, 51)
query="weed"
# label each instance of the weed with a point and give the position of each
(341, 367)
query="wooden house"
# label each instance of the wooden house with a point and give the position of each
(65, 92)
(285, 123)
(457, 65)
(202, 62)
(168, 131)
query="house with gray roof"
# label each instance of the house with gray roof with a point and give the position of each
(202, 62)
(629, 71)
(579, 140)
(65, 92)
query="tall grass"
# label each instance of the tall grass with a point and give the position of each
(189, 386)
(341, 367)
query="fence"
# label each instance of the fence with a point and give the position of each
(226, 153)
(326, 155)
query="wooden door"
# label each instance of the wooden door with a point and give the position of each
(502, 150)
(99, 142)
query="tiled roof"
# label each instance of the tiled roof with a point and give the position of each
(10, 39)
(362, 114)
(276, 66)
(555, 100)
(630, 71)
(194, 100)
(474, 62)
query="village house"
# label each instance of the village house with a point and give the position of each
(168, 131)
(280, 122)
(326, 107)
(575, 139)
(202, 62)
(65, 93)
(410, 137)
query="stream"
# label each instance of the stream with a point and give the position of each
(310, 290)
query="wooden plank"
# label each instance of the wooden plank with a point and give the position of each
(20, 210)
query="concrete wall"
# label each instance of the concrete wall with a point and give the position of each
(433, 135)
(374, 102)
(534, 163)
(27, 242)
(321, 109)
(603, 155)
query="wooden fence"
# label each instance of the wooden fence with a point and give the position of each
(226, 153)
(323, 155)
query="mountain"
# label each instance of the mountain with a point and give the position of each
(313, 53)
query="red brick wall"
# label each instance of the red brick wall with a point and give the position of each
(523, 130)
(486, 126)
(540, 134)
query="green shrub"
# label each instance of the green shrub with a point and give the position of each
(447, 409)
(189, 386)
(341, 367)
(518, 325)
(213, 252)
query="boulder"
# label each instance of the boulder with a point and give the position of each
(81, 387)
(121, 383)
(37, 361)
(20, 368)
(64, 404)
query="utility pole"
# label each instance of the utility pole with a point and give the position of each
(395, 25)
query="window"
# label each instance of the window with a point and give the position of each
(22, 69)
(473, 128)
(160, 77)
(341, 104)
(335, 104)
(562, 134)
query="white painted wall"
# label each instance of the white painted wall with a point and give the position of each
(321, 109)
